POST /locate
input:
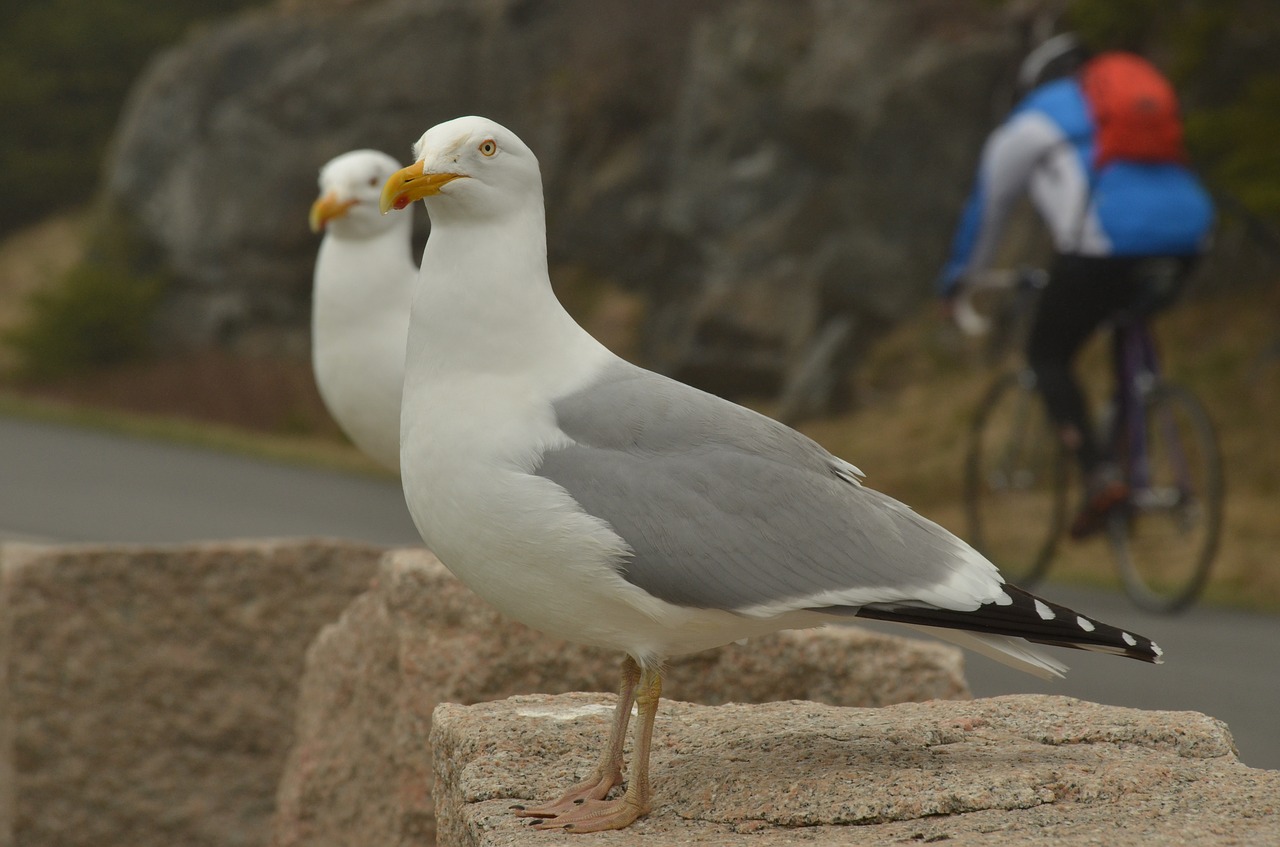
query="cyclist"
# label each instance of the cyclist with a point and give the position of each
(1108, 220)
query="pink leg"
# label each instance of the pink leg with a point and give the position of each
(593, 814)
(608, 772)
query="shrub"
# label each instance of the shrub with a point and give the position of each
(98, 314)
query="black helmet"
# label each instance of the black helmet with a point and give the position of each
(1059, 56)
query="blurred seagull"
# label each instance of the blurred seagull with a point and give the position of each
(364, 279)
(605, 504)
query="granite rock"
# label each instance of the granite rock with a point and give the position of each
(148, 691)
(360, 772)
(1025, 769)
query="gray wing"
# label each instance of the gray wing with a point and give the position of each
(727, 509)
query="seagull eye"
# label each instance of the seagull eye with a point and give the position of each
(373, 180)
(488, 147)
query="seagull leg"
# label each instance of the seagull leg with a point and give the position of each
(594, 815)
(608, 772)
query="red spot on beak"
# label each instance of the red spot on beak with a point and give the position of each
(401, 202)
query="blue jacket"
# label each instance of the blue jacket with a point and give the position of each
(1045, 148)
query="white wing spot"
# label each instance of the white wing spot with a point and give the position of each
(1129, 639)
(1155, 648)
(1045, 613)
(1084, 623)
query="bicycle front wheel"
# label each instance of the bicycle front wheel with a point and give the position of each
(1166, 539)
(1015, 481)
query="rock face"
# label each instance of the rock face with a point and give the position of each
(1007, 770)
(148, 691)
(748, 166)
(360, 772)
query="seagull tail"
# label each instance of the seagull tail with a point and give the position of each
(993, 629)
(1013, 652)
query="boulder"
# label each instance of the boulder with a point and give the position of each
(148, 692)
(748, 167)
(360, 772)
(1009, 770)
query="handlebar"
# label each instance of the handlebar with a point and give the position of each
(969, 318)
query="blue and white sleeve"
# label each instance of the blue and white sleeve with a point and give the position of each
(1009, 158)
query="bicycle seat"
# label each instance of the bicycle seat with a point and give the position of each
(1160, 282)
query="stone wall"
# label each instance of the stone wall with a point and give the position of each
(158, 695)
(360, 772)
(283, 693)
(148, 691)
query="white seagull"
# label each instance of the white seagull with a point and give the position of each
(364, 279)
(605, 504)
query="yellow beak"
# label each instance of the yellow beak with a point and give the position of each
(327, 208)
(409, 184)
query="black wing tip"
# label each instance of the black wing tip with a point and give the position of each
(1098, 636)
(1032, 618)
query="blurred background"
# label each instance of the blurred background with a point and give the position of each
(722, 179)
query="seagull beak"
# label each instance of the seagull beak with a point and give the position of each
(409, 184)
(326, 209)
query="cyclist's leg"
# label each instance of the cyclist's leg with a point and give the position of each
(1083, 291)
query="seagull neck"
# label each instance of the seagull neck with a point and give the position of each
(400, 232)
(359, 274)
(396, 241)
(484, 300)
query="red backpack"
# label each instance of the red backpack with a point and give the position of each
(1134, 108)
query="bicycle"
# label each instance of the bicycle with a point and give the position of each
(1017, 472)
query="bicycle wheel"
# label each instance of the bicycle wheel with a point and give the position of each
(1166, 538)
(1015, 480)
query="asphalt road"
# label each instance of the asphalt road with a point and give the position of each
(68, 484)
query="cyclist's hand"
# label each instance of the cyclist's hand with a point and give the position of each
(951, 299)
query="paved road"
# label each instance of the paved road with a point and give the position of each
(67, 484)
(70, 484)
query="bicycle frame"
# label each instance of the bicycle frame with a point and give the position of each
(1137, 370)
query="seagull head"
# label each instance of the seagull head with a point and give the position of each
(350, 187)
(471, 166)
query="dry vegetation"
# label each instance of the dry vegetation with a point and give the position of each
(30, 259)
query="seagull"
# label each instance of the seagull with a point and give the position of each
(602, 503)
(360, 313)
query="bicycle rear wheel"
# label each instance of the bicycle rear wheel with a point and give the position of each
(1166, 538)
(1015, 480)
